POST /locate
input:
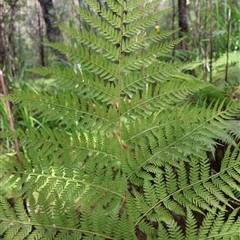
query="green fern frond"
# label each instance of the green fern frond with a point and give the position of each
(94, 42)
(110, 34)
(233, 57)
(75, 112)
(95, 64)
(198, 186)
(129, 30)
(148, 57)
(125, 150)
(77, 81)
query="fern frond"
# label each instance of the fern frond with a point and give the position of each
(138, 80)
(214, 223)
(233, 57)
(159, 97)
(76, 80)
(143, 40)
(95, 64)
(147, 57)
(75, 112)
(134, 27)
(102, 27)
(125, 150)
(198, 188)
(94, 42)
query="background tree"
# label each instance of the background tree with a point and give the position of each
(183, 22)
(53, 31)
(41, 36)
(8, 51)
(3, 39)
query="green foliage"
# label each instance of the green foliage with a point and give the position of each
(225, 78)
(226, 16)
(127, 155)
(219, 70)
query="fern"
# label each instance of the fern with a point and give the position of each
(128, 157)
(219, 70)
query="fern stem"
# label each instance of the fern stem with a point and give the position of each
(53, 226)
(10, 117)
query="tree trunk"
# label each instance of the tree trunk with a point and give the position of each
(183, 21)
(41, 36)
(3, 39)
(50, 18)
(12, 38)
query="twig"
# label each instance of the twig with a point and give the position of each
(234, 202)
(10, 116)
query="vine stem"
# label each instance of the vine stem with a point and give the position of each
(10, 116)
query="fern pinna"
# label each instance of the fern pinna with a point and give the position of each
(129, 155)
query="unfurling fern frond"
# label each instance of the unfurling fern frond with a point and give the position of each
(128, 153)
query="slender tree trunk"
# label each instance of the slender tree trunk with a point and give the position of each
(183, 21)
(53, 32)
(3, 40)
(50, 18)
(196, 30)
(173, 23)
(12, 37)
(40, 32)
